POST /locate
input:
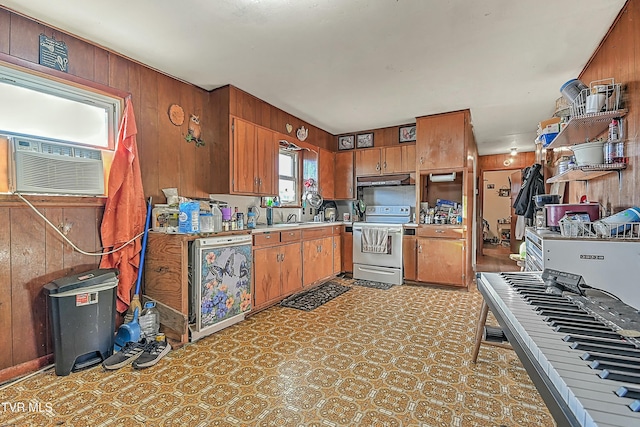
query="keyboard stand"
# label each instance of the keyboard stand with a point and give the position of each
(480, 333)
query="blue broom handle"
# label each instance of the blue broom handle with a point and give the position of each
(144, 247)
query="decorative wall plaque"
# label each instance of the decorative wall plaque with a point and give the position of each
(53, 53)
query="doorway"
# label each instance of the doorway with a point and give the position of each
(496, 212)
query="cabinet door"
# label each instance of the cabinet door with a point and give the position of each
(327, 168)
(368, 162)
(409, 257)
(408, 158)
(291, 267)
(337, 254)
(266, 159)
(326, 257)
(391, 160)
(440, 141)
(244, 151)
(266, 269)
(311, 265)
(343, 181)
(347, 252)
(441, 261)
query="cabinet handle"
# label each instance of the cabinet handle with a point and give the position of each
(421, 160)
(259, 182)
(419, 249)
(439, 231)
(385, 165)
(277, 257)
(267, 236)
(162, 269)
(282, 258)
(378, 166)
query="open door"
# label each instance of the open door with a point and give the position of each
(516, 184)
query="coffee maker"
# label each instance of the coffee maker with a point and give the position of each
(540, 200)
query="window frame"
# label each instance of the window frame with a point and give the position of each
(296, 178)
(73, 86)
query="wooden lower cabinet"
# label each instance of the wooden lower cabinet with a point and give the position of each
(347, 251)
(409, 257)
(441, 261)
(337, 254)
(317, 260)
(277, 273)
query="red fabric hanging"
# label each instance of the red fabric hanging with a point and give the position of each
(125, 210)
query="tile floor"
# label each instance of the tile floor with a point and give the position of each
(397, 357)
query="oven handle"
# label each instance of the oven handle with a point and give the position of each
(390, 231)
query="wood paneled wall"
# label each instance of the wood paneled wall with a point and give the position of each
(618, 56)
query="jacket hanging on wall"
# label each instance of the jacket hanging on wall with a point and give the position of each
(532, 185)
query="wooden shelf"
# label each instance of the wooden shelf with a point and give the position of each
(582, 128)
(585, 173)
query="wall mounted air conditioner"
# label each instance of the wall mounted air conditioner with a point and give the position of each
(44, 167)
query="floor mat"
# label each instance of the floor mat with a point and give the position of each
(314, 298)
(375, 285)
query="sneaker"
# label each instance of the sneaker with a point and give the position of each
(153, 352)
(127, 354)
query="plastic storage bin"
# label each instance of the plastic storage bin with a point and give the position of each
(82, 318)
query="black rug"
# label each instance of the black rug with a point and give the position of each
(375, 285)
(314, 298)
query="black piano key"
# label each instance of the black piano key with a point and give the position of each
(592, 356)
(635, 406)
(559, 314)
(601, 365)
(606, 349)
(626, 377)
(582, 324)
(587, 331)
(629, 392)
(561, 308)
(601, 341)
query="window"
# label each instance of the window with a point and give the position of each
(288, 178)
(36, 106)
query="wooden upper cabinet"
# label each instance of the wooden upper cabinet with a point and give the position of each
(343, 183)
(386, 160)
(400, 159)
(243, 141)
(255, 158)
(440, 142)
(266, 161)
(368, 162)
(326, 166)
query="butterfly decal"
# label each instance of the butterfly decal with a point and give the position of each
(221, 271)
(244, 269)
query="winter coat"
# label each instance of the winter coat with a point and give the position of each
(532, 185)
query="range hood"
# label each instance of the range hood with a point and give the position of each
(388, 180)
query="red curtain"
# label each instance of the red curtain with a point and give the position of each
(125, 210)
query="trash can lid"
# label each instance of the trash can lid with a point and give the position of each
(87, 279)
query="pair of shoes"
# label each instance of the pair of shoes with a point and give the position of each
(153, 352)
(127, 354)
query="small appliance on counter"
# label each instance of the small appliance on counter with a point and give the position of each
(329, 210)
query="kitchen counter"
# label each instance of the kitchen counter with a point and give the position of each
(263, 228)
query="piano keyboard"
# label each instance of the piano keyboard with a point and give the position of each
(572, 348)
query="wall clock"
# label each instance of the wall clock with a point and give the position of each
(176, 114)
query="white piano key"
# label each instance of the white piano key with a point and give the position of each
(590, 398)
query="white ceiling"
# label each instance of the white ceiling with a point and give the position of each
(352, 65)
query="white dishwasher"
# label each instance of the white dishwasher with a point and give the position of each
(219, 283)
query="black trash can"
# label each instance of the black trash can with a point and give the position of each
(82, 318)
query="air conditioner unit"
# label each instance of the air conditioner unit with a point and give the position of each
(44, 167)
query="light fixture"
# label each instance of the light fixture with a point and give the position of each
(508, 162)
(514, 151)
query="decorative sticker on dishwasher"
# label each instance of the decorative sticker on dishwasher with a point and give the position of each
(226, 283)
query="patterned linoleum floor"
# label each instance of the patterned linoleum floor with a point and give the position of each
(397, 357)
